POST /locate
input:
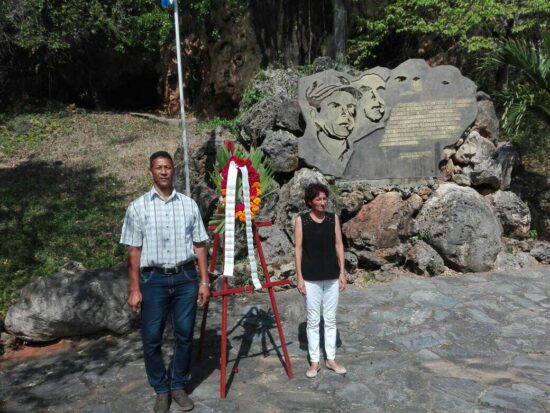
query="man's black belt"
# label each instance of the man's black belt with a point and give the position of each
(189, 265)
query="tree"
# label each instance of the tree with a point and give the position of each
(471, 25)
(84, 45)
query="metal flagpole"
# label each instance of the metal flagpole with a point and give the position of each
(182, 102)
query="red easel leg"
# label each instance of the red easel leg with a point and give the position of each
(223, 361)
(273, 304)
(281, 333)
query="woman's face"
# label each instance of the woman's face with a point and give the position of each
(319, 203)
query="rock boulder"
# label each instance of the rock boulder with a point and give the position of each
(281, 148)
(486, 122)
(461, 227)
(541, 252)
(72, 304)
(518, 261)
(513, 213)
(496, 171)
(424, 260)
(259, 119)
(277, 247)
(381, 223)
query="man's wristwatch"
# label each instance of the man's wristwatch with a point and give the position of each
(205, 283)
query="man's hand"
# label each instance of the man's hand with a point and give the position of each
(134, 300)
(134, 256)
(204, 294)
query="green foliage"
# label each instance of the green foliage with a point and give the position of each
(56, 29)
(250, 97)
(368, 276)
(215, 34)
(202, 8)
(258, 161)
(231, 125)
(306, 70)
(50, 214)
(532, 234)
(432, 267)
(473, 25)
(425, 235)
(261, 75)
(526, 101)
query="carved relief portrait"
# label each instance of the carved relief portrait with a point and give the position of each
(371, 103)
(333, 111)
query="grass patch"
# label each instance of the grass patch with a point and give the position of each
(52, 214)
(22, 133)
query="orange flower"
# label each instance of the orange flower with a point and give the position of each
(242, 218)
(255, 208)
(256, 185)
(258, 192)
(256, 201)
(223, 191)
(252, 215)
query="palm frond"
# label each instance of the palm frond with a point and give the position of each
(258, 160)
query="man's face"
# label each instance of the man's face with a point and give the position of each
(372, 103)
(337, 113)
(162, 171)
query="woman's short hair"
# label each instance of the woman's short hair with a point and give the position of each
(312, 191)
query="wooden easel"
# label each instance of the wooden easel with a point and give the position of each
(226, 291)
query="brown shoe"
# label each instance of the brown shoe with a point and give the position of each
(312, 370)
(183, 400)
(162, 404)
(332, 365)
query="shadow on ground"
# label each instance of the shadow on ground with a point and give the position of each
(51, 213)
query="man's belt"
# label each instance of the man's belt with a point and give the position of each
(189, 265)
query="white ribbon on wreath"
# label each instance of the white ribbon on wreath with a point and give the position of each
(229, 245)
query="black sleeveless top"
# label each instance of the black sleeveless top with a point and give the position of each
(319, 260)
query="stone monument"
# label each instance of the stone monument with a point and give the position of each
(384, 123)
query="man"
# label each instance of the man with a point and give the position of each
(161, 229)
(372, 103)
(333, 110)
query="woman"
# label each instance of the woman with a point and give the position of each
(319, 254)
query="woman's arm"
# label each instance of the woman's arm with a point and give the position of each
(340, 254)
(298, 237)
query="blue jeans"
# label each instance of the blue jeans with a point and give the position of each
(162, 295)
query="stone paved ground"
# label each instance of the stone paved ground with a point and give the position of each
(468, 343)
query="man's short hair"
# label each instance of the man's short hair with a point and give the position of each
(316, 93)
(160, 154)
(313, 190)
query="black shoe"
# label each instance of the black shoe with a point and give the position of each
(162, 404)
(182, 400)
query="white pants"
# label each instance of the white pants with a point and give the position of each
(325, 294)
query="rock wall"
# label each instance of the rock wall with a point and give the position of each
(461, 220)
(222, 54)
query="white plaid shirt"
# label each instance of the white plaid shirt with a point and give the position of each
(166, 230)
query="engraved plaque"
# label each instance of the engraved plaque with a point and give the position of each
(384, 124)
